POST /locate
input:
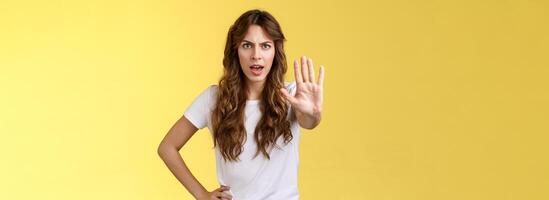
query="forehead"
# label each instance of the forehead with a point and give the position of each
(256, 34)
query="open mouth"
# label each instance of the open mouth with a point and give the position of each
(257, 69)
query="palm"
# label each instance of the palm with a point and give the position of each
(308, 96)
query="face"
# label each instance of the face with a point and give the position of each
(256, 53)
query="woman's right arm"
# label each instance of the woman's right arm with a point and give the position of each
(168, 150)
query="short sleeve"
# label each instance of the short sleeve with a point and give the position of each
(291, 88)
(199, 110)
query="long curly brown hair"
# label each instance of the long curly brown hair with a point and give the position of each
(228, 115)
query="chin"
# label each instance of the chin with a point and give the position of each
(256, 79)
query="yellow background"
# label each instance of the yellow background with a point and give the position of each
(423, 99)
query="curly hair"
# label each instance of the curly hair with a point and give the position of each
(228, 114)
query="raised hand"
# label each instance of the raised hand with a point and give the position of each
(308, 96)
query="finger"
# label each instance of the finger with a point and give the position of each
(217, 194)
(321, 76)
(311, 70)
(297, 73)
(304, 69)
(222, 188)
(225, 195)
(288, 96)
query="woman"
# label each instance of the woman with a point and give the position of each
(254, 117)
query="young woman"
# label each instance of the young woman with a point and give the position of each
(253, 115)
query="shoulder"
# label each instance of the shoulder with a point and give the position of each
(211, 91)
(289, 83)
(212, 88)
(207, 95)
(290, 86)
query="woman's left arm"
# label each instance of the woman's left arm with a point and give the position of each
(307, 101)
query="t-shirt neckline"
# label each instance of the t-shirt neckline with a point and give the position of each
(255, 101)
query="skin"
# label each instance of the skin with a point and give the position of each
(307, 103)
(256, 48)
(308, 97)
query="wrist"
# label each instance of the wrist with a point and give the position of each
(201, 195)
(316, 114)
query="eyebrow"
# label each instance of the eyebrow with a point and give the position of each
(259, 43)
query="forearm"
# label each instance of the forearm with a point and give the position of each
(179, 169)
(308, 121)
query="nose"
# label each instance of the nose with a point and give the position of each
(256, 55)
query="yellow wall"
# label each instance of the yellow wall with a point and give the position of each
(423, 99)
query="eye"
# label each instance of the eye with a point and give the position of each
(266, 46)
(246, 45)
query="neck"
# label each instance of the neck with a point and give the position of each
(255, 89)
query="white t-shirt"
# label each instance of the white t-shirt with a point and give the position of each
(253, 178)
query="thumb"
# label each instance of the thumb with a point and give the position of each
(288, 95)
